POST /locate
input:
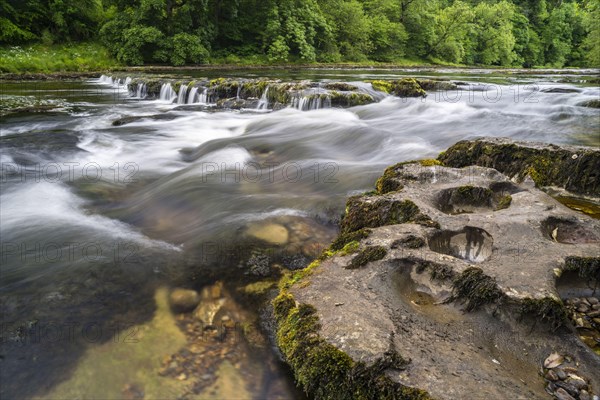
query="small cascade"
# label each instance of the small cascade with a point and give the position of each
(263, 103)
(203, 98)
(141, 91)
(192, 96)
(106, 79)
(237, 96)
(312, 102)
(167, 93)
(127, 81)
(181, 97)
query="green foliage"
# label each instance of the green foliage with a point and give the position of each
(492, 32)
(188, 49)
(42, 59)
(591, 43)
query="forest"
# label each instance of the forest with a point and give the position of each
(508, 33)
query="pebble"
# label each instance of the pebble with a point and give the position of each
(184, 299)
(269, 232)
(577, 382)
(584, 395)
(551, 375)
(572, 390)
(594, 314)
(561, 394)
(583, 308)
(593, 300)
(562, 375)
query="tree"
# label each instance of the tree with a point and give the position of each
(493, 41)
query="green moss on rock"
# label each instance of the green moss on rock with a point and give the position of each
(575, 169)
(344, 238)
(475, 288)
(341, 86)
(586, 267)
(324, 371)
(437, 272)
(504, 202)
(368, 254)
(369, 212)
(407, 87)
(547, 309)
(430, 84)
(409, 242)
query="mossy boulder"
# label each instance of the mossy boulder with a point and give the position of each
(371, 212)
(595, 103)
(576, 169)
(340, 86)
(406, 87)
(430, 84)
(326, 372)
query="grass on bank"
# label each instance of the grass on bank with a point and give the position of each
(39, 58)
(91, 57)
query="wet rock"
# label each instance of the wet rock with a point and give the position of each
(551, 375)
(570, 167)
(342, 86)
(296, 261)
(259, 265)
(134, 118)
(482, 281)
(407, 87)
(562, 375)
(561, 394)
(584, 395)
(183, 300)
(268, 232)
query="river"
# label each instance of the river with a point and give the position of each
(99, 221)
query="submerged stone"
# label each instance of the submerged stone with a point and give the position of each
(269, 232)
(183, 299)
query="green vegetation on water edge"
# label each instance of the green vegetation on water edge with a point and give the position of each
(507, 33)
(40, 58)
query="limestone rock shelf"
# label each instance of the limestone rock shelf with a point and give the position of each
(443, 283)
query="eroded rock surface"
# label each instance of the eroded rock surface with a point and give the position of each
(451, 273)
(574, 168)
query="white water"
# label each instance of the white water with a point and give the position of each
(181, 97)
(167, 93)
(169, 186)
(193, 95)
(263, 103)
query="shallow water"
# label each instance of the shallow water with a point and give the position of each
(97, 218)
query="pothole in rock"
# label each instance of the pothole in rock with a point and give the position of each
(581, 297)
(422, 294)
(471, 244)
(568, 231)
(470, 199)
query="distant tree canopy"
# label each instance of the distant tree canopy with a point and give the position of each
(526, 33)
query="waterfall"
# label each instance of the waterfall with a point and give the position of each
(263, 103)
(203, 98)
(182, 94)
(106, 79)
(192, 96)
(167, 93)
(127, 81)
(312, 102)
(237, 96)
(141, 91)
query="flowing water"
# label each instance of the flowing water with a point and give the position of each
(98, 220)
